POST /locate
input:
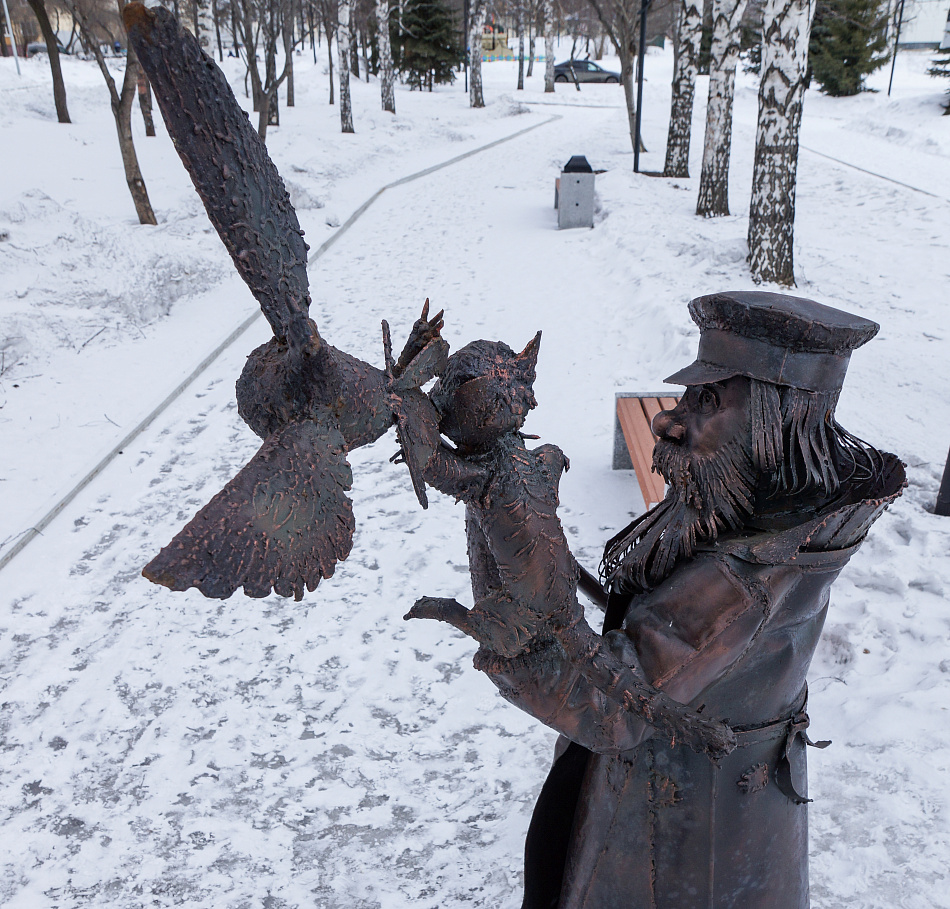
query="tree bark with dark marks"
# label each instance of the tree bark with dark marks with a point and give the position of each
(714, 180)
(786, 29)
(477, 13)
(689, 33)
(343, 64)
(548, 45)
(386, 75)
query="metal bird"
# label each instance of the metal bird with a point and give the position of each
(285, 520)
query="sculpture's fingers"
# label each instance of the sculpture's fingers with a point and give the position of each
(238, 183)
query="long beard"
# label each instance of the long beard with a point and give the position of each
(705, 496)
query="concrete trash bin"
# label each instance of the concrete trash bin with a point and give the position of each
(574, 194)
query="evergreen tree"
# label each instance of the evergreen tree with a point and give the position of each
(428, 46)
(847, 40)
(941, 70)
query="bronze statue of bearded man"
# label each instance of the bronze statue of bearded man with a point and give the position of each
(717, 597)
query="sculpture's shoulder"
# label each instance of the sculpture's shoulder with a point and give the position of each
(825, 540)
(533, 475)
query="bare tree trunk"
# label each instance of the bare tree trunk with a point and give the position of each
(386, 78)
(121, 112)
(478, 12)
(531, 53)
(786, 28)
(630, 93)
(217, 31)
(520, 49)
(52, 49)
(714, 180)
(328, 28)
(123, 125)
(287, 33)
(145, 102)
(548, 45)
(689, 33)
(354, 55)
(343, 52)
(204, 25)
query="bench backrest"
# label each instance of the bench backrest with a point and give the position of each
(634, 439)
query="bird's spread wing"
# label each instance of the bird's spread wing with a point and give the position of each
(283, 522)
(244, 195)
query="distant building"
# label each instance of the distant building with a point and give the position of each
(925, 23)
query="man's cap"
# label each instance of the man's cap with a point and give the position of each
(773, 337)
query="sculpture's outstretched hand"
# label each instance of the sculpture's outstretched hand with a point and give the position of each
(424, 332)
(283, 522)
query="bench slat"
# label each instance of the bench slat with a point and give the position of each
(635, 413)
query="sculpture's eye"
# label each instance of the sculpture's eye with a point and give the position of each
(707, 400)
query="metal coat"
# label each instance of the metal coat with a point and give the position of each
(628, 820)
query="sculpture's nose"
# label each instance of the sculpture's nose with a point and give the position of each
(666, 426)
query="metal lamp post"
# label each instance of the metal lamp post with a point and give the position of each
(644, 6)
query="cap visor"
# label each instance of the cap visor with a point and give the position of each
(700, 373)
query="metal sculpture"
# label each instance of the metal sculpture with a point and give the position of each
(285, 520)
(717, 598)
(524, 578)
(680, 775)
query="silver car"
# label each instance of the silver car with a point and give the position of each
(583, 71)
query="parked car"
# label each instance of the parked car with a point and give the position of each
(583, 71)
(39, 47)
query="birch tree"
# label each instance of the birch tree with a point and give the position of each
(386, 75)
(478, 12)
(714, 180)
(786, 28)
(204, 25)
(549, 45)
(520, 14)
(689, 34)
(343, 65)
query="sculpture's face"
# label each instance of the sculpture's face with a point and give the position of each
(707, 417)
(483, 409)
(485, 392)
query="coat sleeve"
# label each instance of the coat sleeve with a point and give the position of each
(680, 637)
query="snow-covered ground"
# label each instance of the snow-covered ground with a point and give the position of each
(162, 749)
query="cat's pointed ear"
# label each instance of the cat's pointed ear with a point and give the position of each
(528, 358)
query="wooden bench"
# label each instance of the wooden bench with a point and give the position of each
(634, 439)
